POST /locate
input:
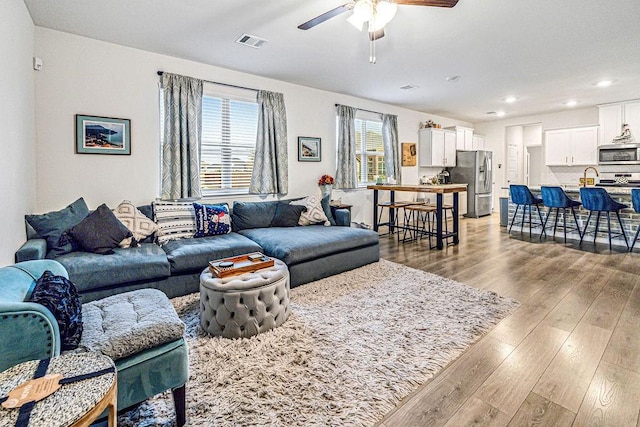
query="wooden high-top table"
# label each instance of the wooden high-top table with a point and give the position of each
(439, 190)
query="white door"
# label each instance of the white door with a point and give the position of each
(513, 153)
(437, 148)
(449, 149)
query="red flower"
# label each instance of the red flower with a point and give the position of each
(325, 180)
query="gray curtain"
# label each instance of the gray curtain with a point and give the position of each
(270, 167)
(346, 168)
(182, 134)
(390, 142)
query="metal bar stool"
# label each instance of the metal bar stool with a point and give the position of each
(522, 196)
(556, 198)
(635, 198)
(597, 199)
(393, 224)
(421, 215)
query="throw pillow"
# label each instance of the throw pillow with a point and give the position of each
(326, 207)
(100, 232)
(52, 227)
(314, 213)
(140, 226)
(287, 215)
(60, 297)
(212, 220)
(253, 214)
(175, 220)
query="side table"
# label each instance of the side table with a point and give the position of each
(88, 387)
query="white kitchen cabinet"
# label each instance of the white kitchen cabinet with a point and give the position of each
(612, 116)
(437, 147)
(464, 137)
(478, 142)
(571, 147)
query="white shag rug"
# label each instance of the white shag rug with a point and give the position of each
(354, 345)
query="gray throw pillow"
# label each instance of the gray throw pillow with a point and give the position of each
(253, 214)
(100, 232)
(326, 207)
(52, 227)
(287, 215)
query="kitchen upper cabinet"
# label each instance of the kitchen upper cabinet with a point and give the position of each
(464, 137)
(571, 147)
(437, 147)
(612, 116)
(478, 142)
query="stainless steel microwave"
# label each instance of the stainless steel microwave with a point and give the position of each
(619, 154)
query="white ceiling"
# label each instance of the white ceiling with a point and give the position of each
(545, 52)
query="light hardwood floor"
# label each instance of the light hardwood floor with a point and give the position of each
(570, 354)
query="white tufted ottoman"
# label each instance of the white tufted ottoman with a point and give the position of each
(246, 304)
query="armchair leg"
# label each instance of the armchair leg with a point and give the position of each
(179, 401)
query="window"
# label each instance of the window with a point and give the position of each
(229, 128)
(369, 151)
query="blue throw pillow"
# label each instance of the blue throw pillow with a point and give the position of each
(212, 220)
(52, 227)
(287, 215)
(60, 297)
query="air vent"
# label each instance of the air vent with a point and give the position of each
(409, 87)
(251, 41)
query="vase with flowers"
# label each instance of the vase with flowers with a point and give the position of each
(326, 184)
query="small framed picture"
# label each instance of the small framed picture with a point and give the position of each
(309, 149)
(102, 135)
(409, 154)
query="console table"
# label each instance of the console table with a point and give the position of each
(439, 190)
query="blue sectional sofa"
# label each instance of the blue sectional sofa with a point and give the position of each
(311, 253)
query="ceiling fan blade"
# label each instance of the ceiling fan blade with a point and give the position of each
(438, 3)
(326, 16)
(375, 35)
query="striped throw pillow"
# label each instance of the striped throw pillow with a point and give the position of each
(175, 220)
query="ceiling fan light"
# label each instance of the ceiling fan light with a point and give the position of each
(385, 12)
(355, 21)
(363, 10)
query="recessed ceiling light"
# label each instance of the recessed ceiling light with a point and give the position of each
(604, 83)
(571, 103)
(500, 113)
(453, 78)
(510, 99)
(491, 113)
(409, 87)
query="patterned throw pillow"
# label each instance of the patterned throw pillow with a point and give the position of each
(175, 220)
(314, 213)
(141, 226)
(212, 220)
(60, 297)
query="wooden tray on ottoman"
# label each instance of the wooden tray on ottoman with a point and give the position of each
(241, 264)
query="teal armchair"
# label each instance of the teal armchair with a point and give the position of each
(28, 331)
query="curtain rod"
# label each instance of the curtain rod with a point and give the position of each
(223, 84)
(368, 111)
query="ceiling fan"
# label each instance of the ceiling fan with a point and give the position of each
(375, 13)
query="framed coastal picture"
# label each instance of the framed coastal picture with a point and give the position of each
(409, 154)
(309, 149)
(102, 135)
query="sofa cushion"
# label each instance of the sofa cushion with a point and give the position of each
(300, 244)
(247, 215)
(126, 324)
(287, 215)
(100, 231)
(212, 220)
(52, 226)
(91, 271)
(194, 254)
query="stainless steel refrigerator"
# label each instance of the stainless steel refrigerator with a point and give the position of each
(475, 168)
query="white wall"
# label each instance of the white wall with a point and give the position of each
(18, 159)
(86, 76)
(495, 133)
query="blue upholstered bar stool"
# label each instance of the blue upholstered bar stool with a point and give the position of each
(597, 199)
(635, 198)
(522, 196)
(556, 198)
